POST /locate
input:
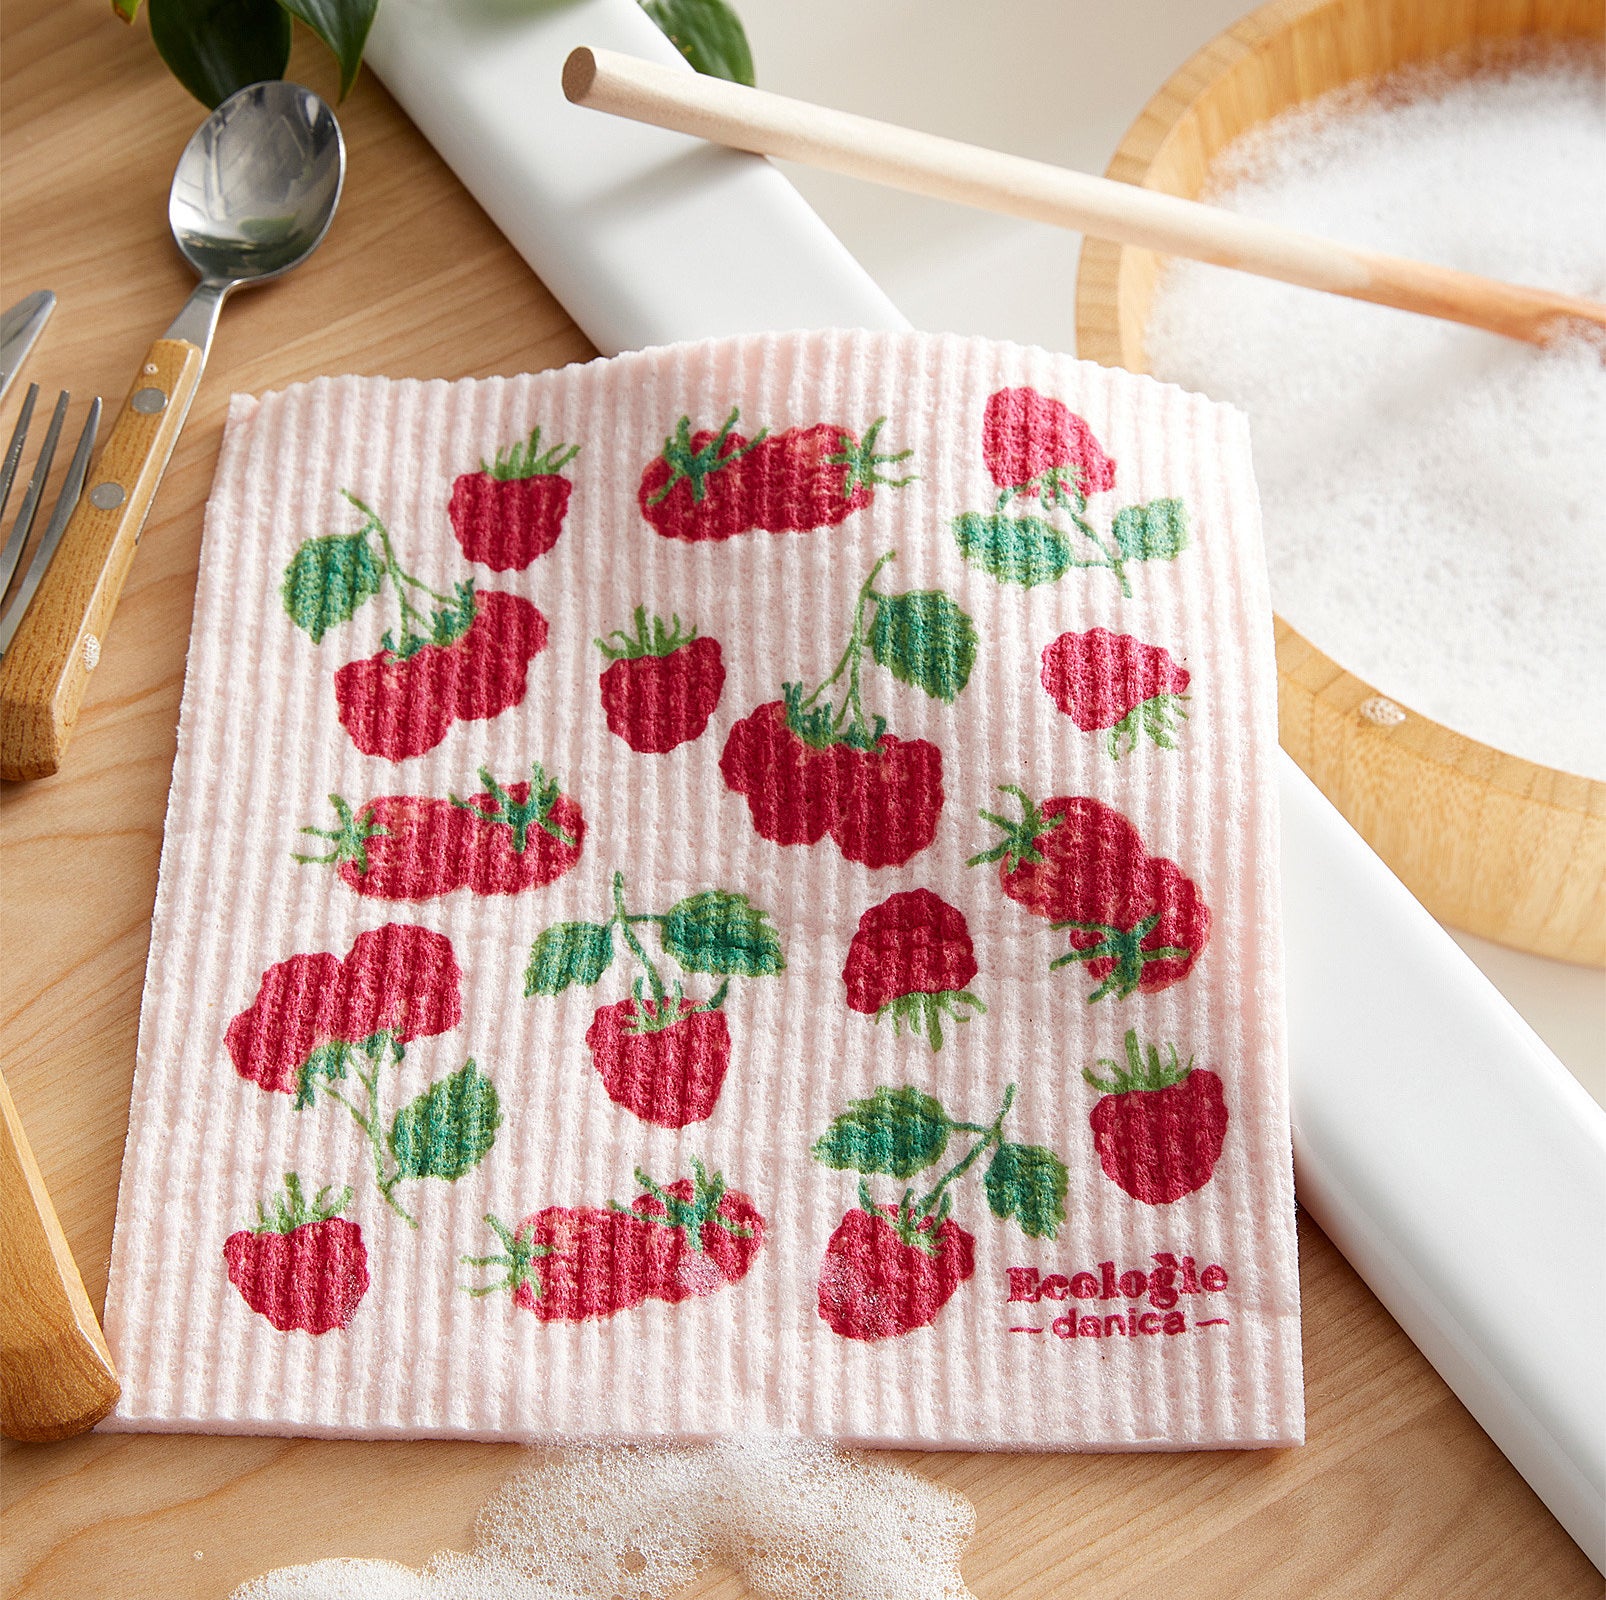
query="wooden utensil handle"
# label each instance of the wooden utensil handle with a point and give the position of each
(923, 163)
(46, 670)
(56, 1374)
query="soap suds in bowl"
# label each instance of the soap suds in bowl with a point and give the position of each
(1434, 496)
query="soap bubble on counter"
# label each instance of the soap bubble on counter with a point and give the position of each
(1434, 496)
(797, 1520)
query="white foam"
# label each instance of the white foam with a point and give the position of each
(796, 1520)
(1435, 497)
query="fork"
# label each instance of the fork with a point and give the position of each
(66, 500)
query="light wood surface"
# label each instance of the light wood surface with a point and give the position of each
(46, 671)
(1489, 842)
(1398, 1492)
(56, 1377)
(1036, 191)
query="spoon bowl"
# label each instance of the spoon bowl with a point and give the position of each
(255, 190)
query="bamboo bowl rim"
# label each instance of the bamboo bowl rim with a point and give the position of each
(1183, 126)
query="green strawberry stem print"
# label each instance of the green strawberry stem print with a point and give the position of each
(330, 577)
(921, 638)
(1037, 448)
(661, 1054)
(443, 1133)
(889, 1269)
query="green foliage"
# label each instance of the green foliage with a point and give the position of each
(1023, 550)
(1028, 1183)
(568, 952)
(342, 25)
(327, 580)
(1157, 531)
(925, 639)
(708, 33)
(896, 1131)
(447, 1130)
(214, 47)
(723, 933)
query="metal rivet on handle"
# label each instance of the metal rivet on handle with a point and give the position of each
(91, 652)
(149, 401)
(106, 496)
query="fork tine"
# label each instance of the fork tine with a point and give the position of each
(20, 529)
(14, 449)
(71, 487)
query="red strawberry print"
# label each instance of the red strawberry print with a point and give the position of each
(665, 1061)
(816, 477)
(1110, 680)
(807, 767)
(715, 1233)
(1136, 921)
(888, 800)
(320, 1019)
(889, 1269)
(660, 1054)
(1159, 1128)
(1040, 447)
(459, 657)
(510, 512)
(912, 959)
(300, 1005)
(501, 841)
(661, 685)
(570, 1263)
(708, 485)
(403, 981)
(874, 1284)
(397, 847)
(522, 837)
(697, 488)
(789, 784)
(304, 1268)
(680, 1242)
(402, 705)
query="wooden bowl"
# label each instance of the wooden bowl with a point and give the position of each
(1487, 841)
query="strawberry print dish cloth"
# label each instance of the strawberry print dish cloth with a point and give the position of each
(732, 888)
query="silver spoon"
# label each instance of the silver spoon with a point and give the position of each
(253, 195)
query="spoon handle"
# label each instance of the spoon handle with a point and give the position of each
(46, 669)
(56, 1376)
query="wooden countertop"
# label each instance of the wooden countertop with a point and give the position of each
(1398, 1491)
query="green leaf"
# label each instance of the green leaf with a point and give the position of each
(1155, 532)
(446, 1131)
(568, 952)
(897, 1131)
(342, 25)
(723, 933)
(1024, 550)
(327, 580)
(923, 638)
(708, 33)
(1028, 1183)
(126, 9)
(214, 47)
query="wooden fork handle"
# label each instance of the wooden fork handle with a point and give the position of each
(56, 1374)
(46, 671)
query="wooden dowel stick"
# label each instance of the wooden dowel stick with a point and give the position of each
(945, 169)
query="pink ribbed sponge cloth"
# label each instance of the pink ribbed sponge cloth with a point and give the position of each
(753, 907)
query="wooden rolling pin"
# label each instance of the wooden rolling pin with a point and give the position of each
(945, 169)
(56, 1374)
